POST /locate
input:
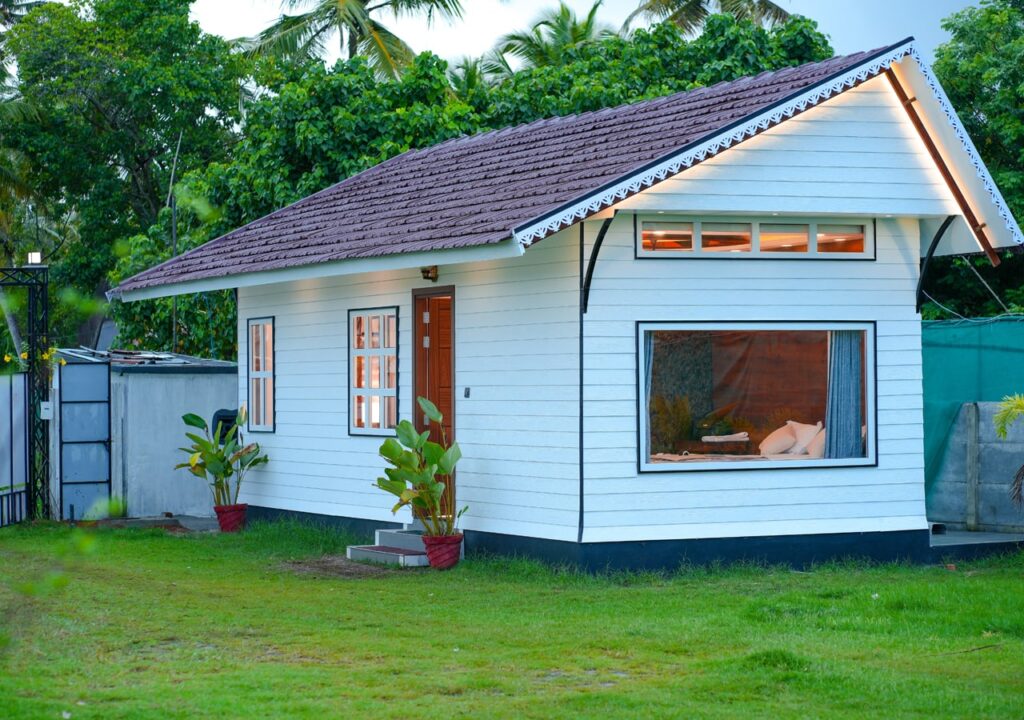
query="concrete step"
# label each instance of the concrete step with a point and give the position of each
(387, 555)
(407, 539)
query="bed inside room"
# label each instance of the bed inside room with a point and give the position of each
(748, 394)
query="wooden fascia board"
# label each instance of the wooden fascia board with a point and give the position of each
(977, 226)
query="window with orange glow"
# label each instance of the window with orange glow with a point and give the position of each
(373, 371)
(726, 237)
(755, 394)
(667, 237)
(261, 374)
(840, 238)
(776, 237)
(779, 237)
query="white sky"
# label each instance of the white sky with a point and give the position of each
(852, 26)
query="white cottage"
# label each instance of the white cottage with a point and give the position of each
(683, 328)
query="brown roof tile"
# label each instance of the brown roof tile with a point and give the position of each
(475, 190)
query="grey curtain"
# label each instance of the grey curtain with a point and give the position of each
(843, 412)
(648, 374)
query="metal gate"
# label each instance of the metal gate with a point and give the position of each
(84, 440)
(13, 448)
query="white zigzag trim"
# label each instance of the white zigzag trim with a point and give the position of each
(972, 152)
(759, 123)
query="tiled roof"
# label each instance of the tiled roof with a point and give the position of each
(474, 191)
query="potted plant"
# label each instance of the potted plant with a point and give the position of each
(223, 461)
(420, 471)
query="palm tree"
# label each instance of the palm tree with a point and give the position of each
(11, 13)
(467, 75)
(546, 43)
(689, 15)
(304, 35)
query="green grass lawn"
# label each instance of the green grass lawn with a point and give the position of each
(157, 625)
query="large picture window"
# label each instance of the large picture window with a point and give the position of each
(261, 374)
(792, 238)
(755, 395)
(373, 371)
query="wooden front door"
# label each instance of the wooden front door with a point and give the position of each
(434, 365)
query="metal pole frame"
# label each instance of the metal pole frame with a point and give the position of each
(37, 338)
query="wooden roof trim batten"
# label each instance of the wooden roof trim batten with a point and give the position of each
(977, 227)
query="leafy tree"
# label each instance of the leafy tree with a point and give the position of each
(981, 69)
(314, 131)
(547, 43)
(303, 36)
(690, 15)
(120, 81)
(651, 63)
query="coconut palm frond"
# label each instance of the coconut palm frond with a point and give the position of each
(14, 172)
(303, 34)
(687, 15)
(386, 52)
(552, 34)
(13, 11)
(292, 36)
(447, 9)
(762, 12)
(1010, 410)
(495, 65)
(466, 75)
(690, 15)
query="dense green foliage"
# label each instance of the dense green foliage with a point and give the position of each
(150, 624)
(981, 69)
(116, 82)
(320, 126)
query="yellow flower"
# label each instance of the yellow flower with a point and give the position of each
(63, 361)
(7, 358)
(24, 356)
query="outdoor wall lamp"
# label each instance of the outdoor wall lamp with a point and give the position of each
(35, 257)
(429, 273)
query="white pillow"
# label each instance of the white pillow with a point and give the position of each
(804, 434)
(816, 448)
(779, 441)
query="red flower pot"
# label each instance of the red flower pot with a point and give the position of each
(231, 518)
(442, 550)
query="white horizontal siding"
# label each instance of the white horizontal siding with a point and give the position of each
(516, 329)
(855, 154)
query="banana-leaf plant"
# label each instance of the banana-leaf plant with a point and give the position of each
(1010, 410)
(420, 471)
(220, 459)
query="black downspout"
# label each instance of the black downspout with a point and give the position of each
(928, 256)
(583, 305)
(593, 261)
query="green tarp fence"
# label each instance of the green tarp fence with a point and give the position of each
(976, 360)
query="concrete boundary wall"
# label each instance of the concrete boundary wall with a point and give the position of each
(972, 488)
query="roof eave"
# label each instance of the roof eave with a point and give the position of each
(337, 268)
